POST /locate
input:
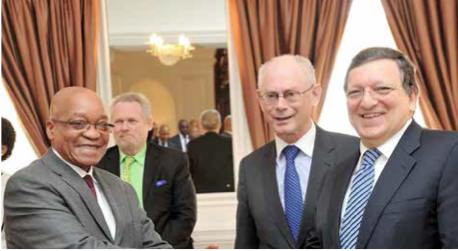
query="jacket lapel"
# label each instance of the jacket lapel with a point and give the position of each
(340, 184)
(113, 164)
(271, 193)
(152, 163)
(118, 208)
(323, 158)
(80, 186)
(393, 175)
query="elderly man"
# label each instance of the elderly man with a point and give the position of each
(160, 176)
(401, 189)
(210, 157)
(62, 200)
(280, 183)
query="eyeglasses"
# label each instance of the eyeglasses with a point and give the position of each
(80, 125)
(377, 93)
(291, 96)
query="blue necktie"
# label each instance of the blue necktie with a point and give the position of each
(293, 194)
(361, 189)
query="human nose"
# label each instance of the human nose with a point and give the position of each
(368, 100)
(92, 132)
(281, 102)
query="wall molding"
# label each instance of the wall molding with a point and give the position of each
(138, 40)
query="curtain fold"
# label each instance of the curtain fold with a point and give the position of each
(263, 29)
(427, 31)
(46, 45)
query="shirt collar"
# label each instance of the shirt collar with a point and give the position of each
(139, 157)
(77, 169)
(387, 148)
(305, 143)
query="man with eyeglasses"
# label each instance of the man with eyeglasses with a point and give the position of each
(279, 183)
(62, 200)
(401, 189)
(159, 175)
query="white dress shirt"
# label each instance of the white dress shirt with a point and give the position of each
(101, 199)
(386, 149)
(302, 162)
(184, 142)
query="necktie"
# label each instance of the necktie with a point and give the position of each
(293, 194)
(127, 164)
(90, 184)
(361, 189)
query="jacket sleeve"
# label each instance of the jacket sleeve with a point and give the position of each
(36, 216)
(447, 201)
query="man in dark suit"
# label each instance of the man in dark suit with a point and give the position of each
(62, 200)
(159, 175)
(279, 183)
(401, 189)
(182, 138)
(163, 138)
(210, 157)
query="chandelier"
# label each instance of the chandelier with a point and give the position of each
(169, 54)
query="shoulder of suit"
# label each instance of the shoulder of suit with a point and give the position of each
(165, 152)
(339, 139)
(439, 137)
(260, 152)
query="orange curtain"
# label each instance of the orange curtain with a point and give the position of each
(427, 31)
(46, 45)
(263, 29)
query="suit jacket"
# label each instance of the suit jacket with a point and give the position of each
(177, 142)
(48, 205)
(211, 163)
(414, 203)
(171, 205)
(261, 221)
(170, 144)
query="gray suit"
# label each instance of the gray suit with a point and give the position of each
(48, 205)
(261, 222)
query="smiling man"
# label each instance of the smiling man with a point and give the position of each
(401, 189)
(62, 200)
(279, 183)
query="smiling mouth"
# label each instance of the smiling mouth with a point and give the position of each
(371, 115)
(90, 147)
(282, 118)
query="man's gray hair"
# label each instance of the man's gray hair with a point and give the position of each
(141, 99)
(406, 67)
(303, 63)
(209, 119)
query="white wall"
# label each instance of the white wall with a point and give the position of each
(131, 22)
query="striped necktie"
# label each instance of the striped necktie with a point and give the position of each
(361, 189)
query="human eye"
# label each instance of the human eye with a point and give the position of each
(383, 90)
(132, 121)
(290, 94)
(78, 124)
(354, 93)
(271, 96)
(104, 126)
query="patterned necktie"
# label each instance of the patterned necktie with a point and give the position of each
(127, 164)
(90, 184)
(293, 194)
(361, 189)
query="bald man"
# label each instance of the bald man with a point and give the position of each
(62, 200)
